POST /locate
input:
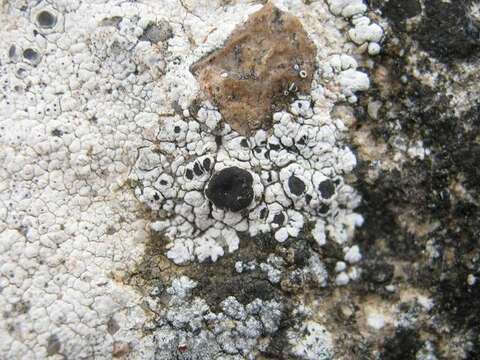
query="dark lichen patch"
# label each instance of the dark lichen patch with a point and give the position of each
(154, 268)
(154, 265)
(254, 70)
(327, 189)
(230, 189)
(392, 193)
(422, 214)
(12, 51)
(31, 55)
(112, 326)
(46, 19)
(460, 301)
(217, 281)
(446, 29)
(455, 35)
(296, 185)
(111, 21)
(57, 132)
(245, 288)
(278, 347)
(157, 32)
(403, 346)
(398, 12)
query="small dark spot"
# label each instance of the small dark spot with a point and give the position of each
(53, 345)
(324, 208)
(244, 143)
(22, 307)
(403, 345)
(112, 326)
(277, 17)
(177, 107)
(218, 140)
(274, 146)
(113, 21)
(189, 174)
(110, 230)
(177, 129)
(379, 272)
(156, 197)
(302, 140)
(12, 51)
(46, 19)
(206, 163)
(159, 32)
(231, 189)
(197, 169)
(269, 178)
(296, 186)
(308, 198)
(263, 213)
(57, 132)
(279, 218)
(326, 188)
(163, 182)
(31, 55)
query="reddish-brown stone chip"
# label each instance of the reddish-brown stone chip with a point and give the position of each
(260, 66)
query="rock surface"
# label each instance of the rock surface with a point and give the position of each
(138, 220)
(261, 66)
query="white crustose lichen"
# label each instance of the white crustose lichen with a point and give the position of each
(96, 113)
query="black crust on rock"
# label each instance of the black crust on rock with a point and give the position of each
(296, 185)
(279, 219)
(326, 188)
(424, 191)
(231, 189)
(455, 35)
(46, 19)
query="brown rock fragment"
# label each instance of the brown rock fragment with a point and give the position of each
(261, 64)
(120, 349)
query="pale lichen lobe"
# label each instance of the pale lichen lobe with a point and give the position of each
(261, 64)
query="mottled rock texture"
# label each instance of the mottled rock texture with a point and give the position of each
(261, 64)
(423, 212)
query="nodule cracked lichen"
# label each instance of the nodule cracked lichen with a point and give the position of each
(262, 63)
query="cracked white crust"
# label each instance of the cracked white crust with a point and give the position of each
(297, 169)
(305, 146)
(73, 119)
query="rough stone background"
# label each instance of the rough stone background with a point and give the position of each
(422, 217)
(419, 297)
